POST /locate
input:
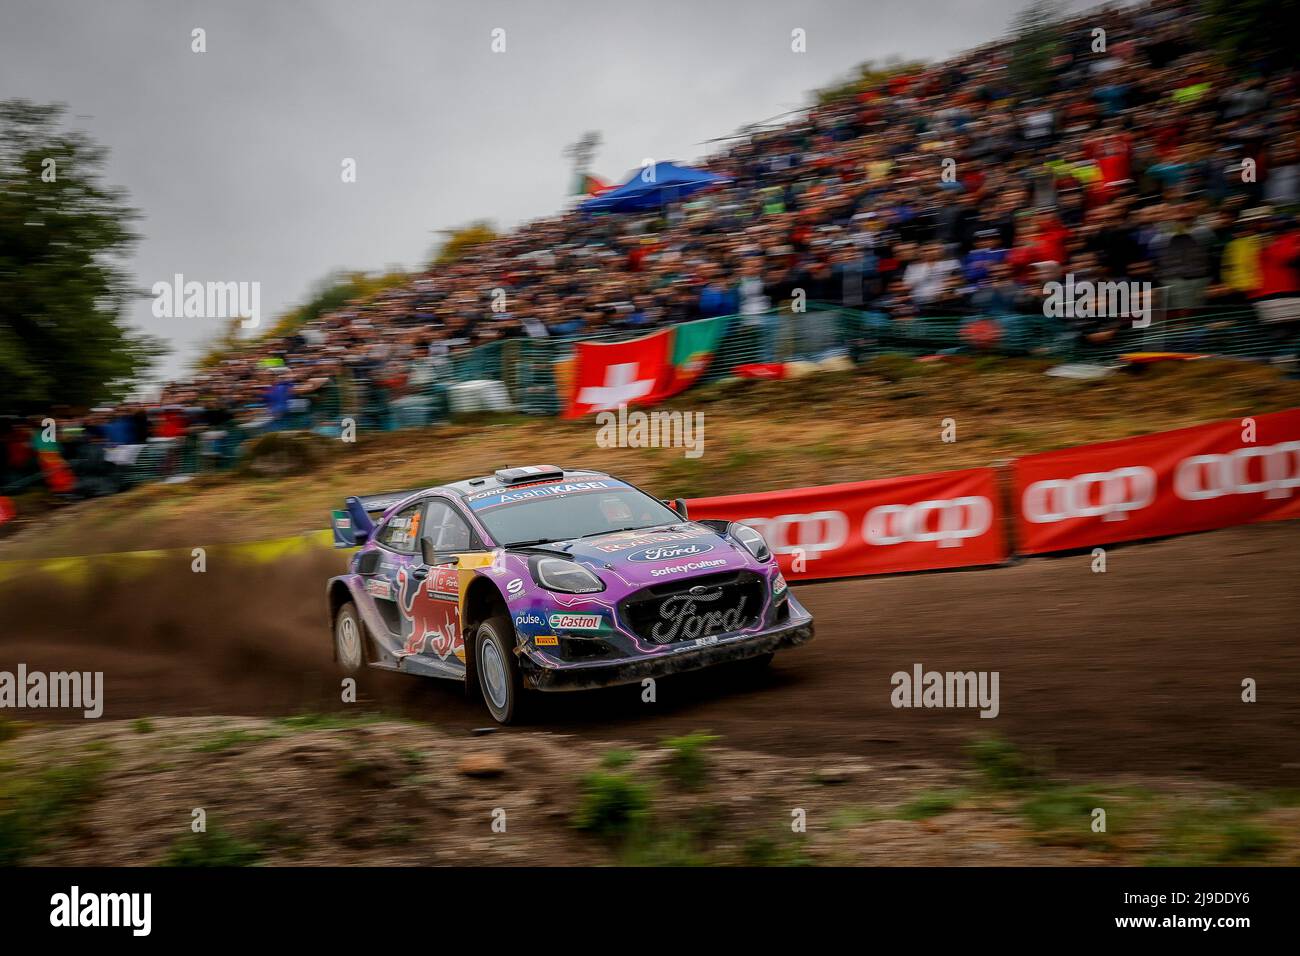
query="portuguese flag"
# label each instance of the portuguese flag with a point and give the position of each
(588, 185)
(693, 346)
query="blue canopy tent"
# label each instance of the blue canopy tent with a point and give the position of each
(668, 183)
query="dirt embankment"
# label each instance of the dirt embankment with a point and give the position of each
(328, 790)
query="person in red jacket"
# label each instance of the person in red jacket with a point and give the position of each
(1046, 241)
(1277, 299)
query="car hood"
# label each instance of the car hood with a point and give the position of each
(656, 556)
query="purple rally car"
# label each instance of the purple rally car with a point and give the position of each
(546, 579)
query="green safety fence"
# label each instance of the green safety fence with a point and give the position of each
(527, 366)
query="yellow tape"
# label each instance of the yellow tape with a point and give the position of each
(76, 569)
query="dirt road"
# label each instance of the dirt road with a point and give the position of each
(1138, 670)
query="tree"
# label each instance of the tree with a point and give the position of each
(334, 292)
(868, 76)
(1252, 33)
(64, 289)
(459, 241)
(1037, 37)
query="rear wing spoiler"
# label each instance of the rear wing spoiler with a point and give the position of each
(355, 523)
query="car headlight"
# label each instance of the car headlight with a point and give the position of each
(751, 539)
(568, 577)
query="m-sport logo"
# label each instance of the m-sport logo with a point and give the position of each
(669, 552)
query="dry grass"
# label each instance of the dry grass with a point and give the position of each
(878, 421)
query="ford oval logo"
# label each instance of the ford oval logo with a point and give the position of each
(669, 552)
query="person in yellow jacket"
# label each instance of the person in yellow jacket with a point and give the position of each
(1241, 273)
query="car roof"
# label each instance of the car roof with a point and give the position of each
(462, 490)
(472, 486)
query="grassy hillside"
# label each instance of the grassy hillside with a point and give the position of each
(880, 420)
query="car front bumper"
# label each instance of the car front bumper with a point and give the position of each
(589, 675)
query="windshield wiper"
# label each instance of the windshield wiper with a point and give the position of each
(594, 534)
(528, 544)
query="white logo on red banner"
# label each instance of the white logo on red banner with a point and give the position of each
(811, 534)
(1109, 495)
(1192, 479)
(948, 522)
(921, 522)
(1203, 477)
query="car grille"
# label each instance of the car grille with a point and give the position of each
(721, 604)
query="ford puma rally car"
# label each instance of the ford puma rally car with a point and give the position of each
(545, 579)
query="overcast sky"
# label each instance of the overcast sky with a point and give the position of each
(234, 155)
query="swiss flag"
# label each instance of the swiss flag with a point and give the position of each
(609, 374)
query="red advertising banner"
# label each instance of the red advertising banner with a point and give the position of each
(945, 520)
(1193, 479)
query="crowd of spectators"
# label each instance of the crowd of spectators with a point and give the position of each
(952, 190)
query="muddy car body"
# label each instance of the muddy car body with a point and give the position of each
(547, 579)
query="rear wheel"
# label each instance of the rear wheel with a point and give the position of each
(349, 639)
(498, 669)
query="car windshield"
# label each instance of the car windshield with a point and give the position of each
(578, 514)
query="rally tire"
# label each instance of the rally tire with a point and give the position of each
(349, 639)
(497, 668)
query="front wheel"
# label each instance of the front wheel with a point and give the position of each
(349, 639)
(498, 669)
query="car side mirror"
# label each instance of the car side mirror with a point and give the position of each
(679, 505)
(432, 558)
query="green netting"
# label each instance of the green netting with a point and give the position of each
(160, 460)
(1226, 333)
(527, 366)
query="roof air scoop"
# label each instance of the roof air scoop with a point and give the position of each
(528, 473)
